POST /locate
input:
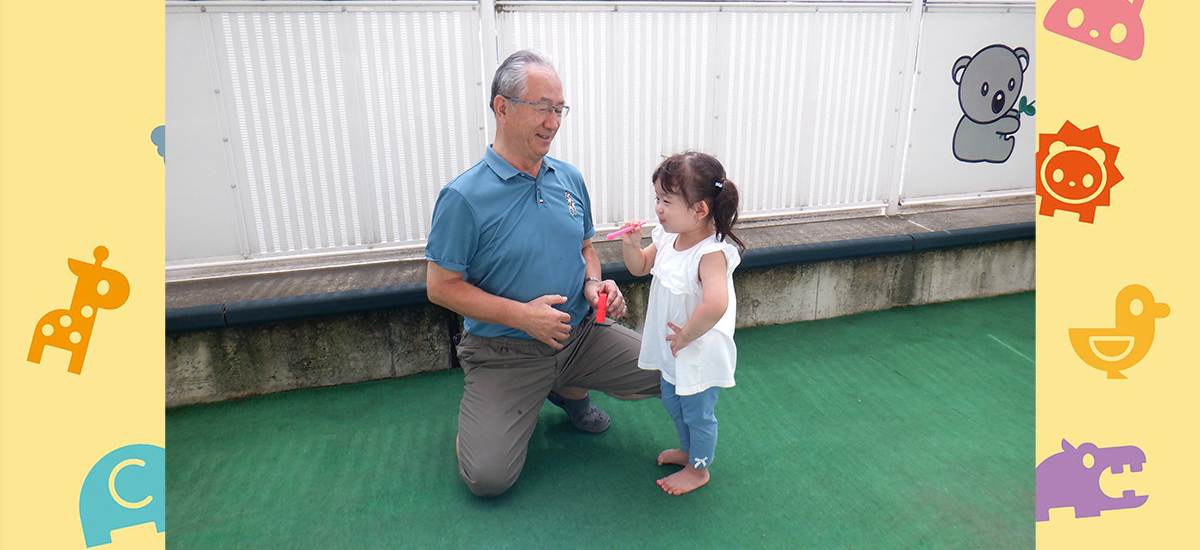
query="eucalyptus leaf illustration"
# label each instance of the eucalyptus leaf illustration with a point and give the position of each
(1026, 108)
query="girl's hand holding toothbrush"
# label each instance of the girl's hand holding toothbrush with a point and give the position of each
(630, 233)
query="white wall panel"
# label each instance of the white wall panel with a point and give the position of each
(635, 89)
(335, 125)
(202, 207)
(932, 170)
(796, 103)
(343, 120)
(291, 115)
(416, 88)
(809, 103)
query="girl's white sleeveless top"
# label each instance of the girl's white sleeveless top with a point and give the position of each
(674, 294)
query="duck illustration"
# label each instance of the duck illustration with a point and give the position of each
(1116, 349)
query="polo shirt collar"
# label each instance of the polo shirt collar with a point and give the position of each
(506, 170)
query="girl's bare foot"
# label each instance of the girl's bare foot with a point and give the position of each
(673, 456)
(684, 480)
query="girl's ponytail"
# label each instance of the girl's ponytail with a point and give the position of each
(725, 211)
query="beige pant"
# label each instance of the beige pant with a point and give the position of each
(508, 379)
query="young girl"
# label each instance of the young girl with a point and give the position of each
(688, 334)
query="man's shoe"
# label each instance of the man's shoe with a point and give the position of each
(583, 414)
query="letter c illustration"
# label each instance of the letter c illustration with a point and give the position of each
(112, 485)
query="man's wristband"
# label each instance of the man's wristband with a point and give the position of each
(585, 281)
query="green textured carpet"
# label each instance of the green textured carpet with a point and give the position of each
(911, 428)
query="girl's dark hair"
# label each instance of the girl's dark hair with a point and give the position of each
(700, 177)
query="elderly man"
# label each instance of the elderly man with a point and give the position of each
(510, 250)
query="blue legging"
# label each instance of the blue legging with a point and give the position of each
(695, 422)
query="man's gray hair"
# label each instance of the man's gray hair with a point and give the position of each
(510, 77)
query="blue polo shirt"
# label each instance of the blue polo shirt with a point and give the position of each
(514, 235)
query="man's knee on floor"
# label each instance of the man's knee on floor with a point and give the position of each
(487, 481)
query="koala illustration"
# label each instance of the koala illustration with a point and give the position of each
(988, 86)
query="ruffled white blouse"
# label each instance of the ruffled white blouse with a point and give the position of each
(675, 292)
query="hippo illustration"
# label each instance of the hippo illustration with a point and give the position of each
(1072, 478)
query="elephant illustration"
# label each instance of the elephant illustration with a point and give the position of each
(123, 489)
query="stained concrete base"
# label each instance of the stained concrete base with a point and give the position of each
(243, 361)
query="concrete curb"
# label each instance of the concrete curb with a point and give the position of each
(275, 310)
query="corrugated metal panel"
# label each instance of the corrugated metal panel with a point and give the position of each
(853, 124)
(347, 125)
(345, 120)
(292, 128)
(804, 115)
(417, 124)
(765, 107)
(635, 92)
(661, 103)
(810, 107)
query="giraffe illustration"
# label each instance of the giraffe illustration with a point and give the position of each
(71, 329)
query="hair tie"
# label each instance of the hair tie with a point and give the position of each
(718, 182)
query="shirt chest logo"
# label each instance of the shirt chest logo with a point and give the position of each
(571, 204)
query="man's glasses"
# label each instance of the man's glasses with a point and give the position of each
(543, 108)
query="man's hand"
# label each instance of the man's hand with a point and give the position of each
(592, 289)
(546, 324)
(616, 301)
(538, 318)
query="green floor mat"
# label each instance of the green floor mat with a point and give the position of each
(911, 428)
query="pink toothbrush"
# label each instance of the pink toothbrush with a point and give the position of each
(616, 234)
